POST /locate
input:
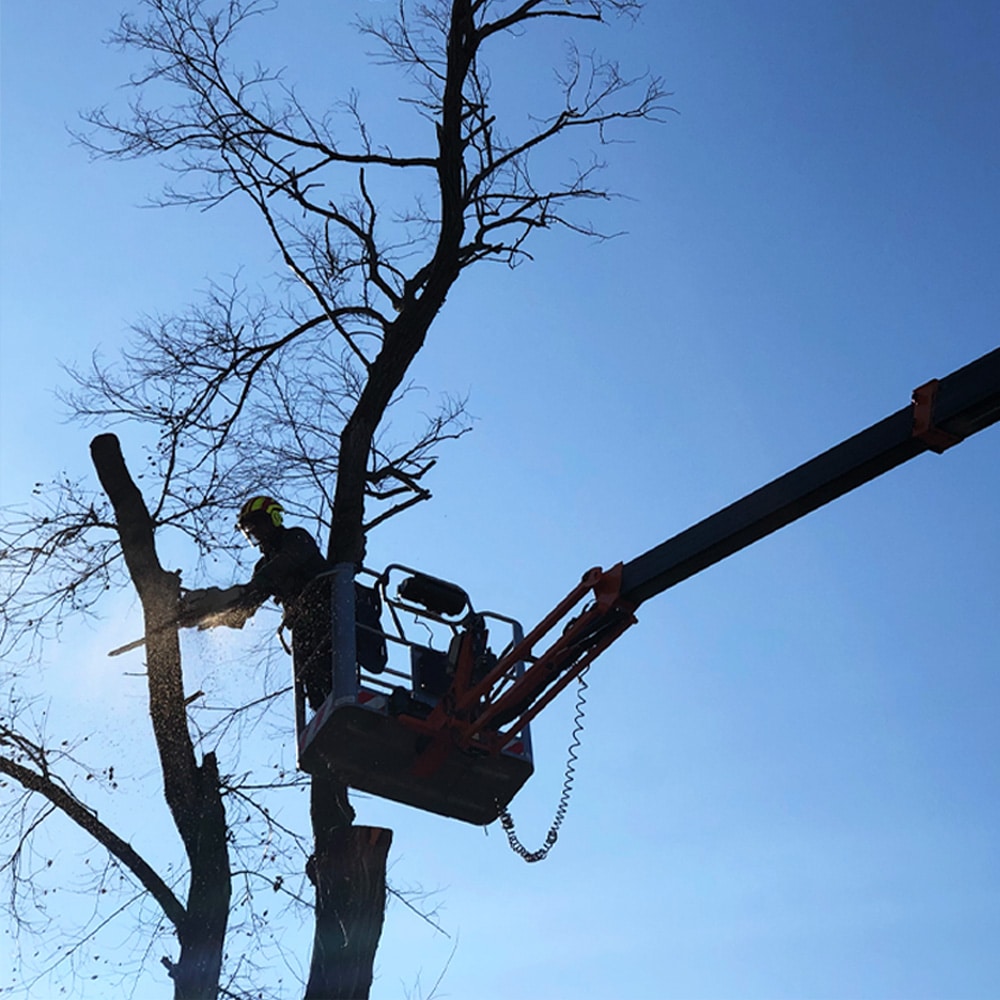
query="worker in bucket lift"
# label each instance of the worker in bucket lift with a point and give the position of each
(290, 560)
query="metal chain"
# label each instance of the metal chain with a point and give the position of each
(507, 821)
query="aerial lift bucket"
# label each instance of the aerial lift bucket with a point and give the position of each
(370, 731)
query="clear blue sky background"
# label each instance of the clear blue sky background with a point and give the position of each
(789, 781)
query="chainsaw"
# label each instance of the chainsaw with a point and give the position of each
(201, 609)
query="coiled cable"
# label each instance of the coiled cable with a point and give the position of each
(507, 821)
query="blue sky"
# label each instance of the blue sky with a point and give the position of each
(788, 786)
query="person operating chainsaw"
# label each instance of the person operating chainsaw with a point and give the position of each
(290, 561)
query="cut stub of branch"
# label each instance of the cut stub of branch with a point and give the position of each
(349, 875)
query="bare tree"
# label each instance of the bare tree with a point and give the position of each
(287, 387)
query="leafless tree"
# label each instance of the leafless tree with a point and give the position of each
(285, 389)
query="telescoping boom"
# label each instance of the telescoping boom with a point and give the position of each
(465, 752)
(942, 413)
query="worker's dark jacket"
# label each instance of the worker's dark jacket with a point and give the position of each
(290, 563)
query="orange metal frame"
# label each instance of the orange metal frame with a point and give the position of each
(924, 427)
(487, 715)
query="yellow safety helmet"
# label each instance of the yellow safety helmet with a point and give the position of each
(260, 507)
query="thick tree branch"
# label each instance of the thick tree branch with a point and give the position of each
(87, 820)
(193, 793)
(159, 592)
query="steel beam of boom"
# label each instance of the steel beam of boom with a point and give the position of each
(943, 413)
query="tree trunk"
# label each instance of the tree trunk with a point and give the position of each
(348, 866)
(203, 938)
(348, 871)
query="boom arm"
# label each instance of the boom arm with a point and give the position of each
(941, 414)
